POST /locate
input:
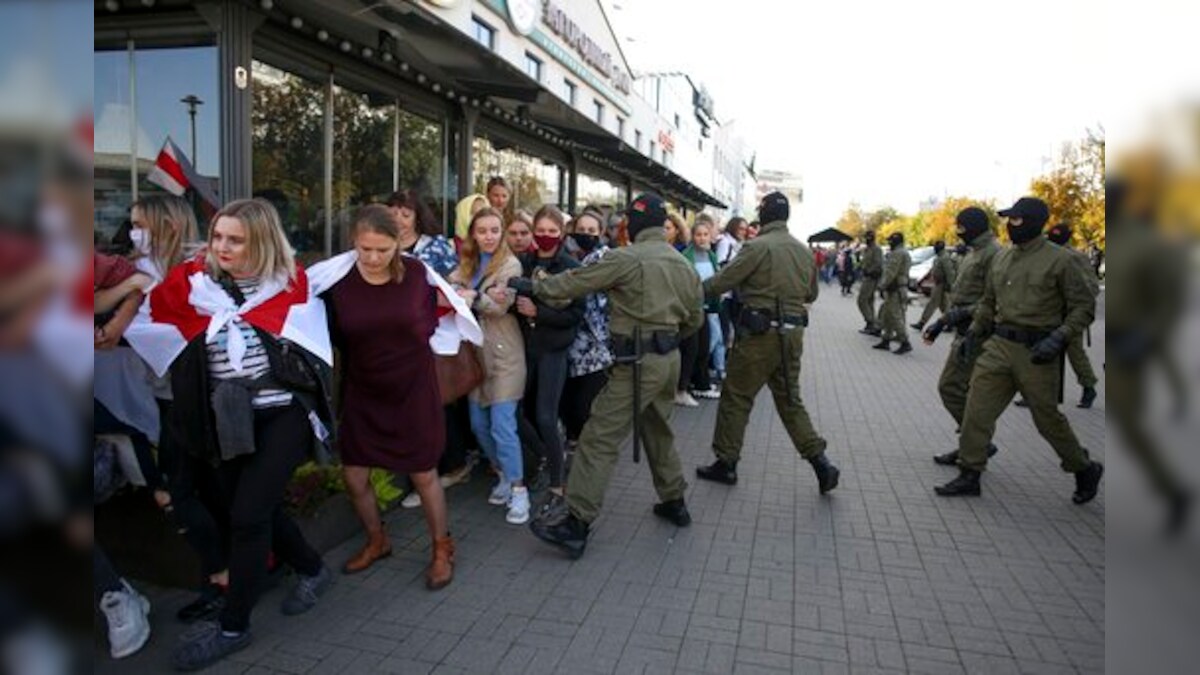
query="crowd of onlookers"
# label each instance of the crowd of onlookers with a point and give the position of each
(214, 379)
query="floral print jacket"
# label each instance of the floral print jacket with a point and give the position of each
(590, 352)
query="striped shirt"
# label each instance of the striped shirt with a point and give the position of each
(254, 363)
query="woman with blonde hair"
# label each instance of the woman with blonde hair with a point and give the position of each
(485, 265)
(164, 229)
(463, 213)
(518, 234)
(247, 400)
(677, 232)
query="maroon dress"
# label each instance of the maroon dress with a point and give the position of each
(391, 413)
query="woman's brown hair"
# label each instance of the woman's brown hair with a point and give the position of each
(468, 257)
(411, 200)
(376, 218)
(552, 213)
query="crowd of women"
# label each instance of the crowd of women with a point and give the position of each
(214, 371)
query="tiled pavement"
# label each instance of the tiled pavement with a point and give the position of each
(880, 576)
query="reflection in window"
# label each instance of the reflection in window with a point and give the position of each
(532, 182)
(162, 78)
(599, 193)
(288, 134)
(363, 138)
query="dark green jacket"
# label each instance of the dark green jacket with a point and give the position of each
(772, 265)
(649, 284)
(968, 286)
(1035, 286)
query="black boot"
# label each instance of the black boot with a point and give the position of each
(1087, 483)
(674, 511)
(827, 473)
(1089, 397)
(904, 348)
(566, 532)
(951, 458)
(1021, 403)
(966, 484)
(883, 344)
(867, 330)
(916, 326)
(719, 471)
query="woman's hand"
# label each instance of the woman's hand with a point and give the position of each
(525, 307)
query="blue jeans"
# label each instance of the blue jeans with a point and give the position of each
(495, 428)
(716, 344)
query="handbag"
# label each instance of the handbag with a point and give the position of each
(458, 374)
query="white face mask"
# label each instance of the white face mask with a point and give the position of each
(141, 240)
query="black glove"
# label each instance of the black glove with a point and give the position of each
(1048, 348)
(522, 285)
(933, 330)
(956, 316)
(966, 348)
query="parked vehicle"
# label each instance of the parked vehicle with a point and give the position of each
(919, 275)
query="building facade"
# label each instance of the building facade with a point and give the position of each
(321, 106)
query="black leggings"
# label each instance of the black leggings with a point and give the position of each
(578, 395)
(255, 485)
(546, 375)
(693, 361)
(198, 509)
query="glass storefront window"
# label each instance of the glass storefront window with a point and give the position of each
(420, 164)
(288, 154)
(138, 103)
(364, 132)
(599, 193)
(532, 182)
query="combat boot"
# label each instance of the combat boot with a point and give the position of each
(719, 471)
(827, 473)
(674, 511)
(883, 344)
(951, 458)
(917, 326)
(566, 532)
(904, 348)
(1089, 397)
(1021, 403)
(966, 484)
(1087, 483)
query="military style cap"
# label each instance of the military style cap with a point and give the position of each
(1060, 234)
(773, 207)
(648, 210)
(1028, 208)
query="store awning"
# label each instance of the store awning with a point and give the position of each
(830, 235)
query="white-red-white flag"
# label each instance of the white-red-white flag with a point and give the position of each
(173, 172)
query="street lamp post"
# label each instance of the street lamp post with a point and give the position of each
(192, 102)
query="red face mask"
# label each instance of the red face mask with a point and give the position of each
(546, 243)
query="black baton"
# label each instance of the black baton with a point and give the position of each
(637, 394)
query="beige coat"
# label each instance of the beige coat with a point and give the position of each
(503, 348)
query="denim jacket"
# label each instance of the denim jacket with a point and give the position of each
(590, 353)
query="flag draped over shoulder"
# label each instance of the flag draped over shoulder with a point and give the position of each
(188, 302)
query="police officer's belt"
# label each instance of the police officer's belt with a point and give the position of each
(759, 321)
(1020, 335)
(658, 342)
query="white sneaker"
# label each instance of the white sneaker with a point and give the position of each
(712, 393)
(518, 507)
(128, 628)
(685, 399)
(501, 493)
(411, 500)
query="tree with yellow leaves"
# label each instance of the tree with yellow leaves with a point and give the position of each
(1074, 190)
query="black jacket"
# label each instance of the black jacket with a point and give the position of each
(191, 420)
(553, 329)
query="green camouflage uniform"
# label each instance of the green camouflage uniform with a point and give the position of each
(774, 265)
(1076, 353)
(651, 286)
(967, 292)
(872, 269)
(1033, 287)
(891, 314)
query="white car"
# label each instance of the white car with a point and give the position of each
(922, 265)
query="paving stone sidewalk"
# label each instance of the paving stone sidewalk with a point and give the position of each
(879, 576)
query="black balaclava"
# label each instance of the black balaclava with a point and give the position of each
(773, 207)
(1060, 234)
(1033, 213)
(970, 223)
(869, 237)
(648, 210)
(938, 247)
(895, 240)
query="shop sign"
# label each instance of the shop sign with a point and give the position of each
(523, 15)
(592, 53)
(666, 142)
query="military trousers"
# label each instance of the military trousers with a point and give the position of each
(1003, 369)
(1080, 363)
(955, 381)
(610, 424)
(891, 316)
(757, 360)
(1126, 393)
(866, 300)
(939, 299)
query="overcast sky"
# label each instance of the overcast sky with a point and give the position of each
(883, 102)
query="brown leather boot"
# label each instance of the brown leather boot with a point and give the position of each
(377, 547)
(441, 570)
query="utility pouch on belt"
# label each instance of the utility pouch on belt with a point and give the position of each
(755, 321)
(659, 342)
